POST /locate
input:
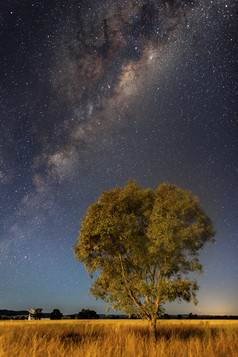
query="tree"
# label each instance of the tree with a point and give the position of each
(35, 314)
(56, 315)
(88, 314)
(192, 316)
(142, 244)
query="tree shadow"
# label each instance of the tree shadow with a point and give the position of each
(179, 332)
(76, 338)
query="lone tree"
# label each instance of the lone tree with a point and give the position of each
(56, 315)
(88, 314)
(142, 244)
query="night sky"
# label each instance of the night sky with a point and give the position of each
(93, 93)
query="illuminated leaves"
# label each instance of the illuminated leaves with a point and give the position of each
(142, 244)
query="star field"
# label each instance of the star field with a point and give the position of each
(94, 93)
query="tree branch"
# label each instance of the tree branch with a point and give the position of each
(136, 302)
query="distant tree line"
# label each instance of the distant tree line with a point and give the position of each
(56, 314)
(16, 317)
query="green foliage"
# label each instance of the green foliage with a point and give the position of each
(142, 244)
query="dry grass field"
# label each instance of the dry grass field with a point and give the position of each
(101, 338)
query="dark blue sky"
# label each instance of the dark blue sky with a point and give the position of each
(94, 93)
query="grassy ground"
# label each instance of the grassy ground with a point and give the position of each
(197, 338)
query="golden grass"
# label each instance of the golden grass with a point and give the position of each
(101, 338)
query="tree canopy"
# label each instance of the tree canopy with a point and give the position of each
(56, 315)
(142, 244)
(88, 314)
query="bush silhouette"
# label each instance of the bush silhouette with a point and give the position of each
(56, 315)
(87, 314)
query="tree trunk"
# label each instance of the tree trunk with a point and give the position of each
(153, 331)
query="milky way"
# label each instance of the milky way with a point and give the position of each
(94, 93)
